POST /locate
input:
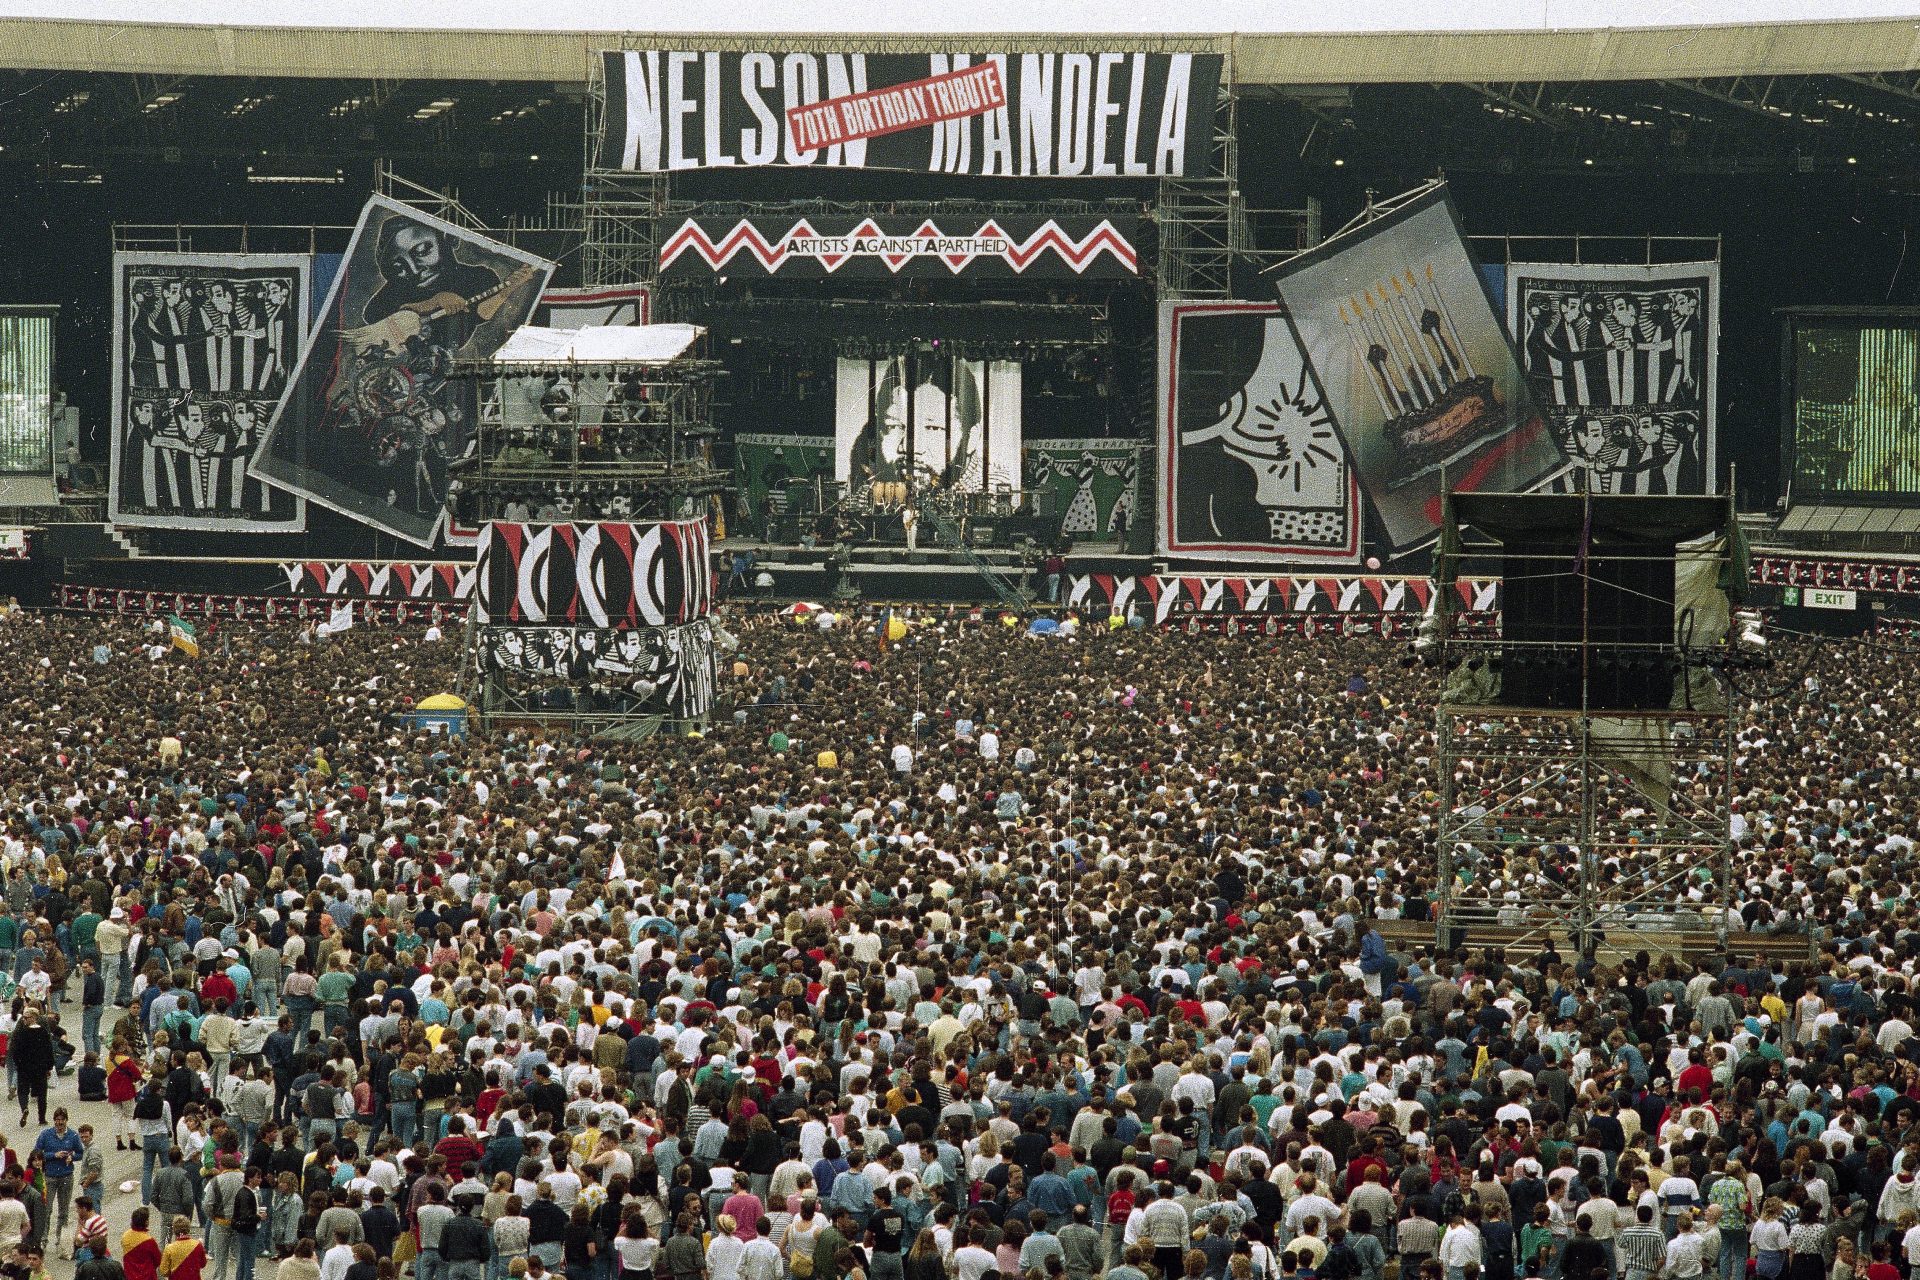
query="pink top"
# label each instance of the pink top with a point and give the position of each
(746, 1211)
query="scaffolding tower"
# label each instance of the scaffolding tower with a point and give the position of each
(621, 210)
(1585, 753)
(607, 431)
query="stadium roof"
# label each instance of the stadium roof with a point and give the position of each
(1275, 42)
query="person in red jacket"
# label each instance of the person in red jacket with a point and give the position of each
(123, 1083)
(139, 1251)
(1696, 1079)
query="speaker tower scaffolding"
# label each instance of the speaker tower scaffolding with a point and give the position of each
(1584, 746)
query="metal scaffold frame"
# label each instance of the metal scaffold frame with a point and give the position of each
(1202, 220)
(1534, 755)
(652, 453)
(621, 210)
(625, 440)
(1603, 829)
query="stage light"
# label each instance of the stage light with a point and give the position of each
(1853, 159)
(1588, 161)
(1339, 163)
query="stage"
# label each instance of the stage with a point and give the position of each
(891, 572)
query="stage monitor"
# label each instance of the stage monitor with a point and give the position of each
(1852, 406)
(26, 391)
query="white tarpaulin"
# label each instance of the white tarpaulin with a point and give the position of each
(598, 344)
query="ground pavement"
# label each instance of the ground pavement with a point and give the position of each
(121, 1166)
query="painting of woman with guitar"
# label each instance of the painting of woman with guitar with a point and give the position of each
(375, 420)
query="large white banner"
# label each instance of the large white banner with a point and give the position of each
(1622, 362)
(930, 417)
(203, 347)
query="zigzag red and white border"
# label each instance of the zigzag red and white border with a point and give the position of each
(1019, 255)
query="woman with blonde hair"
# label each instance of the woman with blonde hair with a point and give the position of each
(1769, 1240)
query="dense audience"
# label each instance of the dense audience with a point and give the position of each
(971, 955)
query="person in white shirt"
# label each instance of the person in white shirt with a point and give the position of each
(726, 1251)
(761, 1259)
(1460, 1245)
(1683, 1251)
(333, 1266)
(971, 1262)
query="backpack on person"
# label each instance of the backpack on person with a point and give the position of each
(150, 1105)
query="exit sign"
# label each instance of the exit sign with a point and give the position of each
(1815, 598)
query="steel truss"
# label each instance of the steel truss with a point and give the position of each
(1202, 219)
(621, 211)
(637, 439)
(628, 441)
(1541, 794)
(1586, 825)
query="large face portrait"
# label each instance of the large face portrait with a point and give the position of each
(413, 257)
(943, 406)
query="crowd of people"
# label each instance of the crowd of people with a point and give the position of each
(971, 956)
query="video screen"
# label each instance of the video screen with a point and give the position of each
(26, 393)
(1856, 407)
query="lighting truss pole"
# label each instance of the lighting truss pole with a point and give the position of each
(1202, 219)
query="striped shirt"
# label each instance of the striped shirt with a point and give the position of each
(1643, 1248)
(92, 1234)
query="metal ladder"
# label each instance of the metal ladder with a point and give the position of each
(947, 533)
(471, 687)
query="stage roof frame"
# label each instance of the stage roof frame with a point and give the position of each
(1262, 59)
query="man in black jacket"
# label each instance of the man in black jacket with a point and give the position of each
(464, 1241)
(31, 1052)
(381, 1225)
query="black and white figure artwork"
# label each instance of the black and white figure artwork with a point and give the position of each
(1621, 360)
(1255, 467)
(375, 418)
(669, 670)
(203, 348)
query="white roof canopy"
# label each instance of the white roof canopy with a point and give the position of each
(649, 344)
